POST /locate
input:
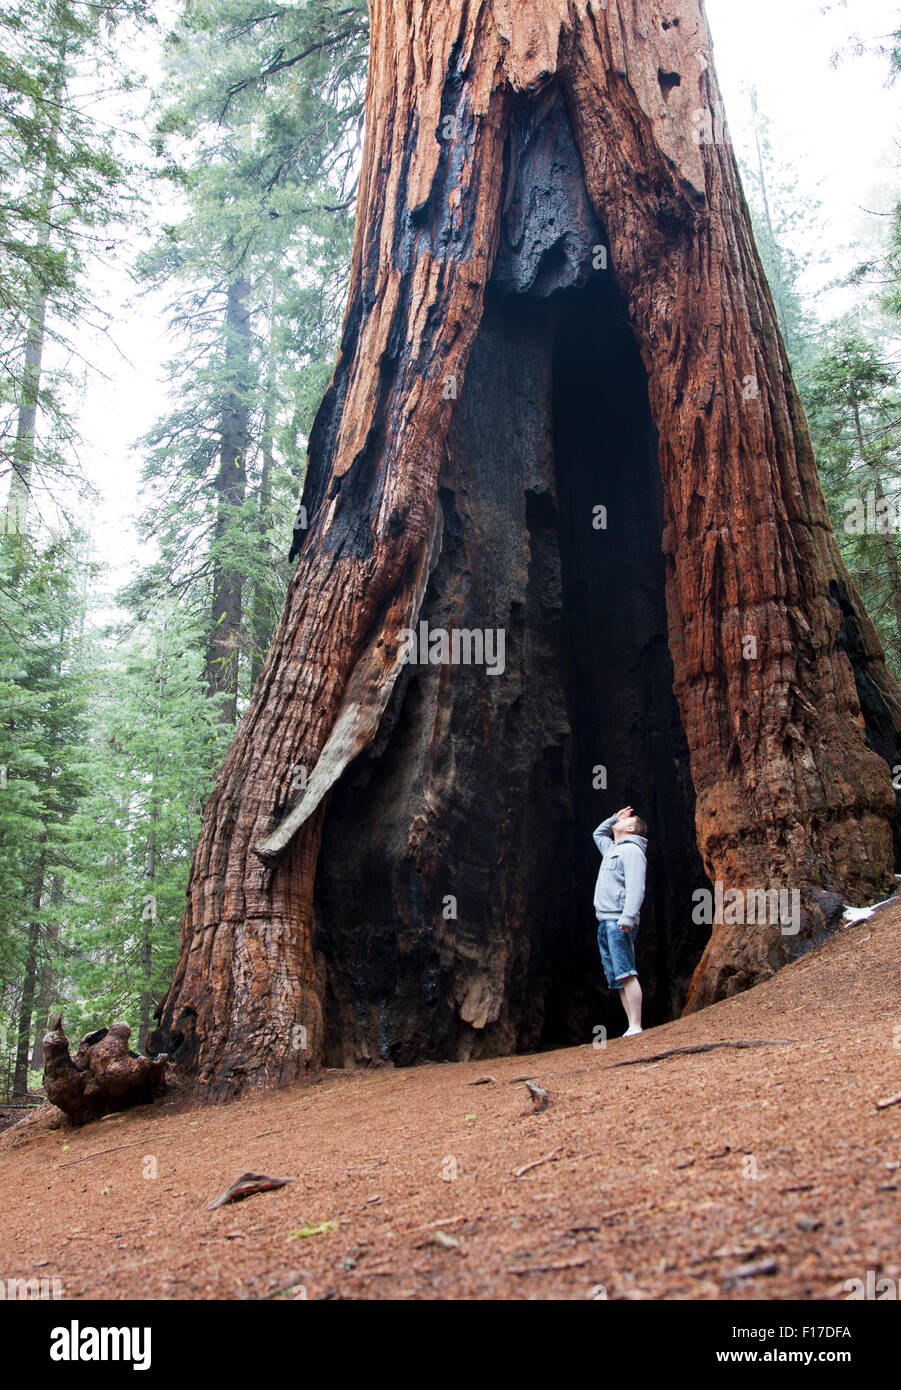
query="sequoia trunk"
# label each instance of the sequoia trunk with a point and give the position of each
(563, 427)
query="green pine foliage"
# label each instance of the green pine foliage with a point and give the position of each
(853, 400)
(44, 684)
(258, 128)
(65, 186)
(156, 743)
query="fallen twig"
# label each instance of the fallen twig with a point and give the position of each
(527, 1167)
(543, 1269)
(135, 1144)
(706, 1047)
(892, 1100)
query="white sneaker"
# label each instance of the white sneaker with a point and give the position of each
(632, 1032)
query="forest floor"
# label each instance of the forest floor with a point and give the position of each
(766, 1172)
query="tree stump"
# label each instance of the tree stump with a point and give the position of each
(103, 1076)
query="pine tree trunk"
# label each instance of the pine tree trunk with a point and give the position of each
(260, 620)
(149, 903)
(231, 487)
(46, 985)
(148, 920)
(556, 308)
(26, 1008)
(888, 543)
(23, 448)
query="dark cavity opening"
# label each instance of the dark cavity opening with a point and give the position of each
(619, 673)
(668, 80)
(454, 895)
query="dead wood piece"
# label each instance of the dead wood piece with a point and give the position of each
(103, 1077)
(892, 1100)
(445, 1241)
(483, 1081)
(540, 1097)
(705, 1047)
(247, 1185)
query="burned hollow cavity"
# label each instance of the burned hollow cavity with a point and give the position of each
(453, 903)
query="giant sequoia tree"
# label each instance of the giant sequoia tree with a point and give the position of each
(562, 412)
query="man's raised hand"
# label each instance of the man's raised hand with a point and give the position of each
(625, 813)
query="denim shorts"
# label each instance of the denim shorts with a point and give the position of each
(617, 948)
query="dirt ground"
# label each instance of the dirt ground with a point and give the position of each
(760, 1173)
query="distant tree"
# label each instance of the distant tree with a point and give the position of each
(155, 743)
(786, 227)
(62, 186)
(854, 408)
(43, 689)
(257, 131)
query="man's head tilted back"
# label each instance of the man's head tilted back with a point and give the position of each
(630, 825)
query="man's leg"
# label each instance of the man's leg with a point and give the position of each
(630, 994)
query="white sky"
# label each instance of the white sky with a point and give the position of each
(838, 125)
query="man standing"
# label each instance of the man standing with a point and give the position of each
(618, 896)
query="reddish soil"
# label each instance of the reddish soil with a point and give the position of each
(759, 1173)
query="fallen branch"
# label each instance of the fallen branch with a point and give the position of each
(135, 1144)
(445, 1221)
(247, 1185)
(527, 1167)
(892, 1100)
(706, 1047)
(543, 1269)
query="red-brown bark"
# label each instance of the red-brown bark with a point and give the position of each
(104, 1076)
(788, 792)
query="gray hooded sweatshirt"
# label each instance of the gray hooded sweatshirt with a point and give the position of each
(619, 892)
